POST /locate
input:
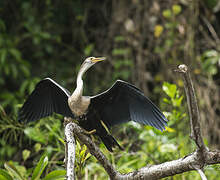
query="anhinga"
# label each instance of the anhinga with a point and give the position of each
(121, 103)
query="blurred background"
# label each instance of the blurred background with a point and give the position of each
(144, 41)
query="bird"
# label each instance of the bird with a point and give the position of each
(121, 103)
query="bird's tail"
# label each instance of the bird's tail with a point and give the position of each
(93, 122)
(109, 141)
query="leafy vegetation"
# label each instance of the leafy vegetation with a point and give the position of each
(18, 172)
(143, 44)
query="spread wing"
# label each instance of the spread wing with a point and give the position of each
(48, 97)
(124, 102)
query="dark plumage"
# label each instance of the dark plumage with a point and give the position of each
(121, 103)
(48, 97)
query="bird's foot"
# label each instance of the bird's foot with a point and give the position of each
(90, 132)
(67, 121)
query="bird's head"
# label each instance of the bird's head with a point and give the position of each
(94, 60)
(90, 61)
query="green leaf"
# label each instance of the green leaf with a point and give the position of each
(177, 102)
(88, 155)
(3, 55)
(210, 53)
(37, 147)
(31, 86)
(2, 25)
(167, 13)
(88, 50)
(45, 35)
(4, 175)
(169, 89)
(40, 167)
(6, 69)
(61, 140)
(176, 9)
(35, 134)
(16, 53)
(56, 175)
(14, 70)
(23, 86)
(82, 153)
(25, 70)
(170, 130)
(26, 154)
(166, 100)
(120, 51)
(13, 171)
(119, 39)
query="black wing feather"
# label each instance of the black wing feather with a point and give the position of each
(47, 97)
(124, 102)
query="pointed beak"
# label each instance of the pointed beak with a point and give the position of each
(94, 60)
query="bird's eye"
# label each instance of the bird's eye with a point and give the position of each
(91, 59)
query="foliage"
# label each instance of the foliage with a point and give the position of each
(122, 64)
(210, 59)
(82, 155)
(18, 172)
(170, 28)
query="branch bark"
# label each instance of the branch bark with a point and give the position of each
(194, 161)
(192, 108)
(69, 151)
(202, 174)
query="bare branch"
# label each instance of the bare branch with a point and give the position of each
(188, 163)
(202, 174)
(211, 29)
(192, 108)
(70, 151)
(212, 157)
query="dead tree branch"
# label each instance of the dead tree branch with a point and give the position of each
(70, 151)
(192, 108)
(202, 174)
(194, 161)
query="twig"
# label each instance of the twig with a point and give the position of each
(202, 174)
(70, 151)
(211, 30)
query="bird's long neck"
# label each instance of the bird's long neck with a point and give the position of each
(77, 94)
(79, 84)
(77, 103)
